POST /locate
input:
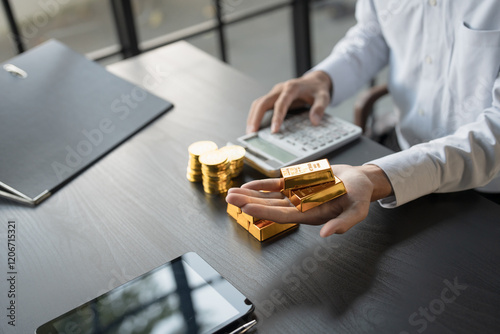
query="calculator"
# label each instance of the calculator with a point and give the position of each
(297, 141)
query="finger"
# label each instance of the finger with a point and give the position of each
(317, 110)
(257, 111)
(347, 219)
(276, 213)
(259, 108)
(284, 101)
(255, 193)
(242, 200)
(273, 185)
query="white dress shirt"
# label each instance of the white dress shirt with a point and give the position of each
(444, 61)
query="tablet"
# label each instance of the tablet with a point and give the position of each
(185, 295)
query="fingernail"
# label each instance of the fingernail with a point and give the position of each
(274, 128)
(251, 129)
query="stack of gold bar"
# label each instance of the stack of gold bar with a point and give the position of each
(311, 184)
(236, 154)
(194, 166)
(216, 171)
(306, 186)
(260, 229)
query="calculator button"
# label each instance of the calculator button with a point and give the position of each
(298, 135)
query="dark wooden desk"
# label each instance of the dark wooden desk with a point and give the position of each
(430, 266)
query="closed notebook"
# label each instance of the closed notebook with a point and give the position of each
(59, 113)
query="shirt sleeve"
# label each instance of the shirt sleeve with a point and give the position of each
(468, 158)
(358, 57)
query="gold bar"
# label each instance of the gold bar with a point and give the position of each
(243, 221)
(265, 229)
(287, 192)
(251, 219)
(306, 175)
(233, 210)
(307, 198)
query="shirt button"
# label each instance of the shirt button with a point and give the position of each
(428, 59)
(433, 2)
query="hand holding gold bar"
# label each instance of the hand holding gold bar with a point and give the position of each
(364, 185)
(306, 186)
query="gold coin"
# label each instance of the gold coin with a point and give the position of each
(237, 163)
(192, 165)
(194, 172)
(223, 168)
(200, 147)
(236, 172)
(216, 189)
(194, 178)
(235, 152)
(214, 159)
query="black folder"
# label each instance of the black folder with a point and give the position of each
(59, 113)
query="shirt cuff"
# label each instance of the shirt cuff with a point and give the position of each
(341, 75)
(388, 202)
(410, 174)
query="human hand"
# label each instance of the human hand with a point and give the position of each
(363, 184)
(312, 89)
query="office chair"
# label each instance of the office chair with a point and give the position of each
(378, 129)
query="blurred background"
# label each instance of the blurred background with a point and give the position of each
(261, 45)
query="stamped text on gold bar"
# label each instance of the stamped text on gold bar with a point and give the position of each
(307, 174)
(307, 198)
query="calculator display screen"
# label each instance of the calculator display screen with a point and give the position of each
(273, 150)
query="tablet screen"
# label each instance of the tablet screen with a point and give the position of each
(182, 296)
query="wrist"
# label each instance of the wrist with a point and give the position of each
(382, 187)
(323, 78)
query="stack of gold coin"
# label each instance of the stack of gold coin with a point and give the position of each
(194, 173)
(216, 171)
(236, 154)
